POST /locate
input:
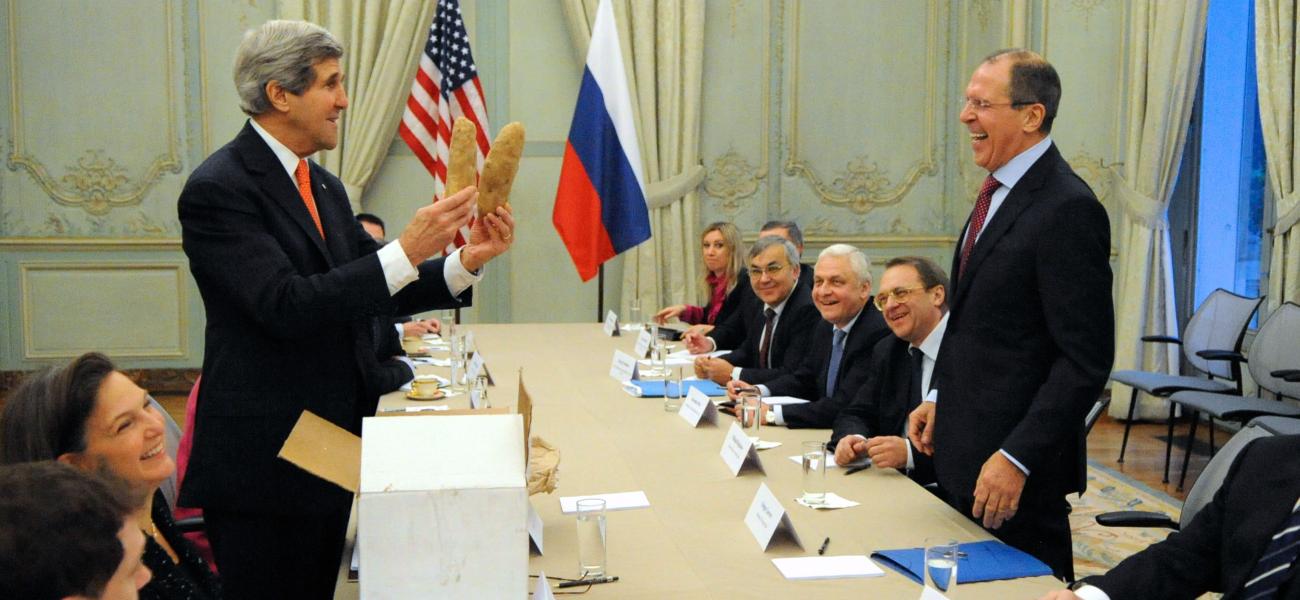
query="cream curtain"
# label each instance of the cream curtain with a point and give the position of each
(382, 41)
(1166, 42)
(665, 57)
(1275, 63)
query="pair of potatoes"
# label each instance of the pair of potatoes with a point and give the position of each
(499, 168)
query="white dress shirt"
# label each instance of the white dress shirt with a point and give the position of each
(398, 271)
(1009, 175)
(778, 418)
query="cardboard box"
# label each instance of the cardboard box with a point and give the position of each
(443, 508)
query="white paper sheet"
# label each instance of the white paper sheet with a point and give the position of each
(831, 501)
(615, 501)
(764, 444)
(827, 567)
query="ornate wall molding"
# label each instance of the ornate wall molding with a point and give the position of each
(860, 185)
(732, 178)
(93, 183)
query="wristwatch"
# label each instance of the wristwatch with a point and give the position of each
(770, 419)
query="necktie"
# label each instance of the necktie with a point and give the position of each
(837, 355)
(1274, 567)
(303, 175)
(977, 219)
(915, 393)
(767, 337)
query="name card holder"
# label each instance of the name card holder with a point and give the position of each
(738, 451)
(543, 589)
(767, 519)
(643, 343)
(475, 367)
(534, 530)
(697, 408)
(623, 367)
(611, 324)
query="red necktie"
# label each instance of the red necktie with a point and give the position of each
(303, 175)
(977, 219)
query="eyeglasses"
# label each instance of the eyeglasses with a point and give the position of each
(771, 270)
(982, 105)
(900, 295)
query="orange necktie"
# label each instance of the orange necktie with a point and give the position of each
(303, 175)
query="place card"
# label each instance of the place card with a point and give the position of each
(534, 530)
(643, 343)
(738, 451)
(611, 324)
(474, 368)
(827, 567)
(623, 368)
(697, 408)
(543, 589)
(767, 519)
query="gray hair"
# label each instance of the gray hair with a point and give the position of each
(858, 261)
(767, 241)
(283, 51)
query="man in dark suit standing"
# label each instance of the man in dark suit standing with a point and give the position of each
(914, 299)
(1030, 337)
(1243, 543)
(779, 327)
(291, 285)
(835, 365)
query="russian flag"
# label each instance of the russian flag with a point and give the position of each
(600, 208)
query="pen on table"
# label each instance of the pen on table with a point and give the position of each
(821, 551)
(593, 580)
(857, 468)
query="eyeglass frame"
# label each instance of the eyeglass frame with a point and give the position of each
(771, 270)
(882, 298)
(980, 104)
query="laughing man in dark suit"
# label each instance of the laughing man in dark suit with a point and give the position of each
(1031, 335)
(291, 285)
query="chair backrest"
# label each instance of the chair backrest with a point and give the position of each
(1277, 425)
(172, 433)
(1094, 413)
(1211, 478)
(1219, 324)
(1275, 348)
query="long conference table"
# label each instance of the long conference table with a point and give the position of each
(692, 542)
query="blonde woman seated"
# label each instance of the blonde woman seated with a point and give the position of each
(93, 417)
(724, 276)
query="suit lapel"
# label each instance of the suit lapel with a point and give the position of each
(262, 163)
(336, 216)
(1015, 203)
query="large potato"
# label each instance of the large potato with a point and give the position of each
(464, 156)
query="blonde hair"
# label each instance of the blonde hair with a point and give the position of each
(731, 239)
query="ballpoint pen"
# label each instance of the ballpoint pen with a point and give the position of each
(593, 580)
(821, 551)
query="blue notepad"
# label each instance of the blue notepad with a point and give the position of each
(654, 388)
(984, 561)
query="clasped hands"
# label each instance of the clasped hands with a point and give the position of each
(435, 226)
(1000, 482)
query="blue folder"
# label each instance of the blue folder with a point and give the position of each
(984, 561)
(654, 388)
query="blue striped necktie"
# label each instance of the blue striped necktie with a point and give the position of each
(837, 356)
(1274, 567)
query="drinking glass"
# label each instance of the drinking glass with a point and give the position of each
(591, 538)
(751, 410)
(673, 392)
(459, 360)
(813, 460)
(634, 314)
(941, 564)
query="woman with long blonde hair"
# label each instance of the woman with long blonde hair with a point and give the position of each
(724, 274)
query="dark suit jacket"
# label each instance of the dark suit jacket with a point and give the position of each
(1220, 547)
(808, 380)
(1030, 337)
(732, 332)
(384, 373)
(791, 340)
(883, 402)
(289, 320)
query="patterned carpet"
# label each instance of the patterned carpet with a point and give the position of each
(1098, 548)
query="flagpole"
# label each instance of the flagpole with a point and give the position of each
(600, 295)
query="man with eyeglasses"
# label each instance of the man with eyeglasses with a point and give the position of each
(778, 331)
(913, 298)
(835, 366)
(1030, 336)
(732, 332)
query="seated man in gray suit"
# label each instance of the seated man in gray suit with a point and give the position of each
(835, 367)
(913, 297)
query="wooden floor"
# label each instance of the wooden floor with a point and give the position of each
(1144, 460)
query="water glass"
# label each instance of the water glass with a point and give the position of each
(634, 313)
(941, 564)
(591, 538)
(751, 410)
(673, 392)
(813, 460)
(459, 360)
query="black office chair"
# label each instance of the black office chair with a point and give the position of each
(1272, 352)
(1217, 326)
(1202, 491)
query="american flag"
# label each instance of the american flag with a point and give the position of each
(446, 86)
